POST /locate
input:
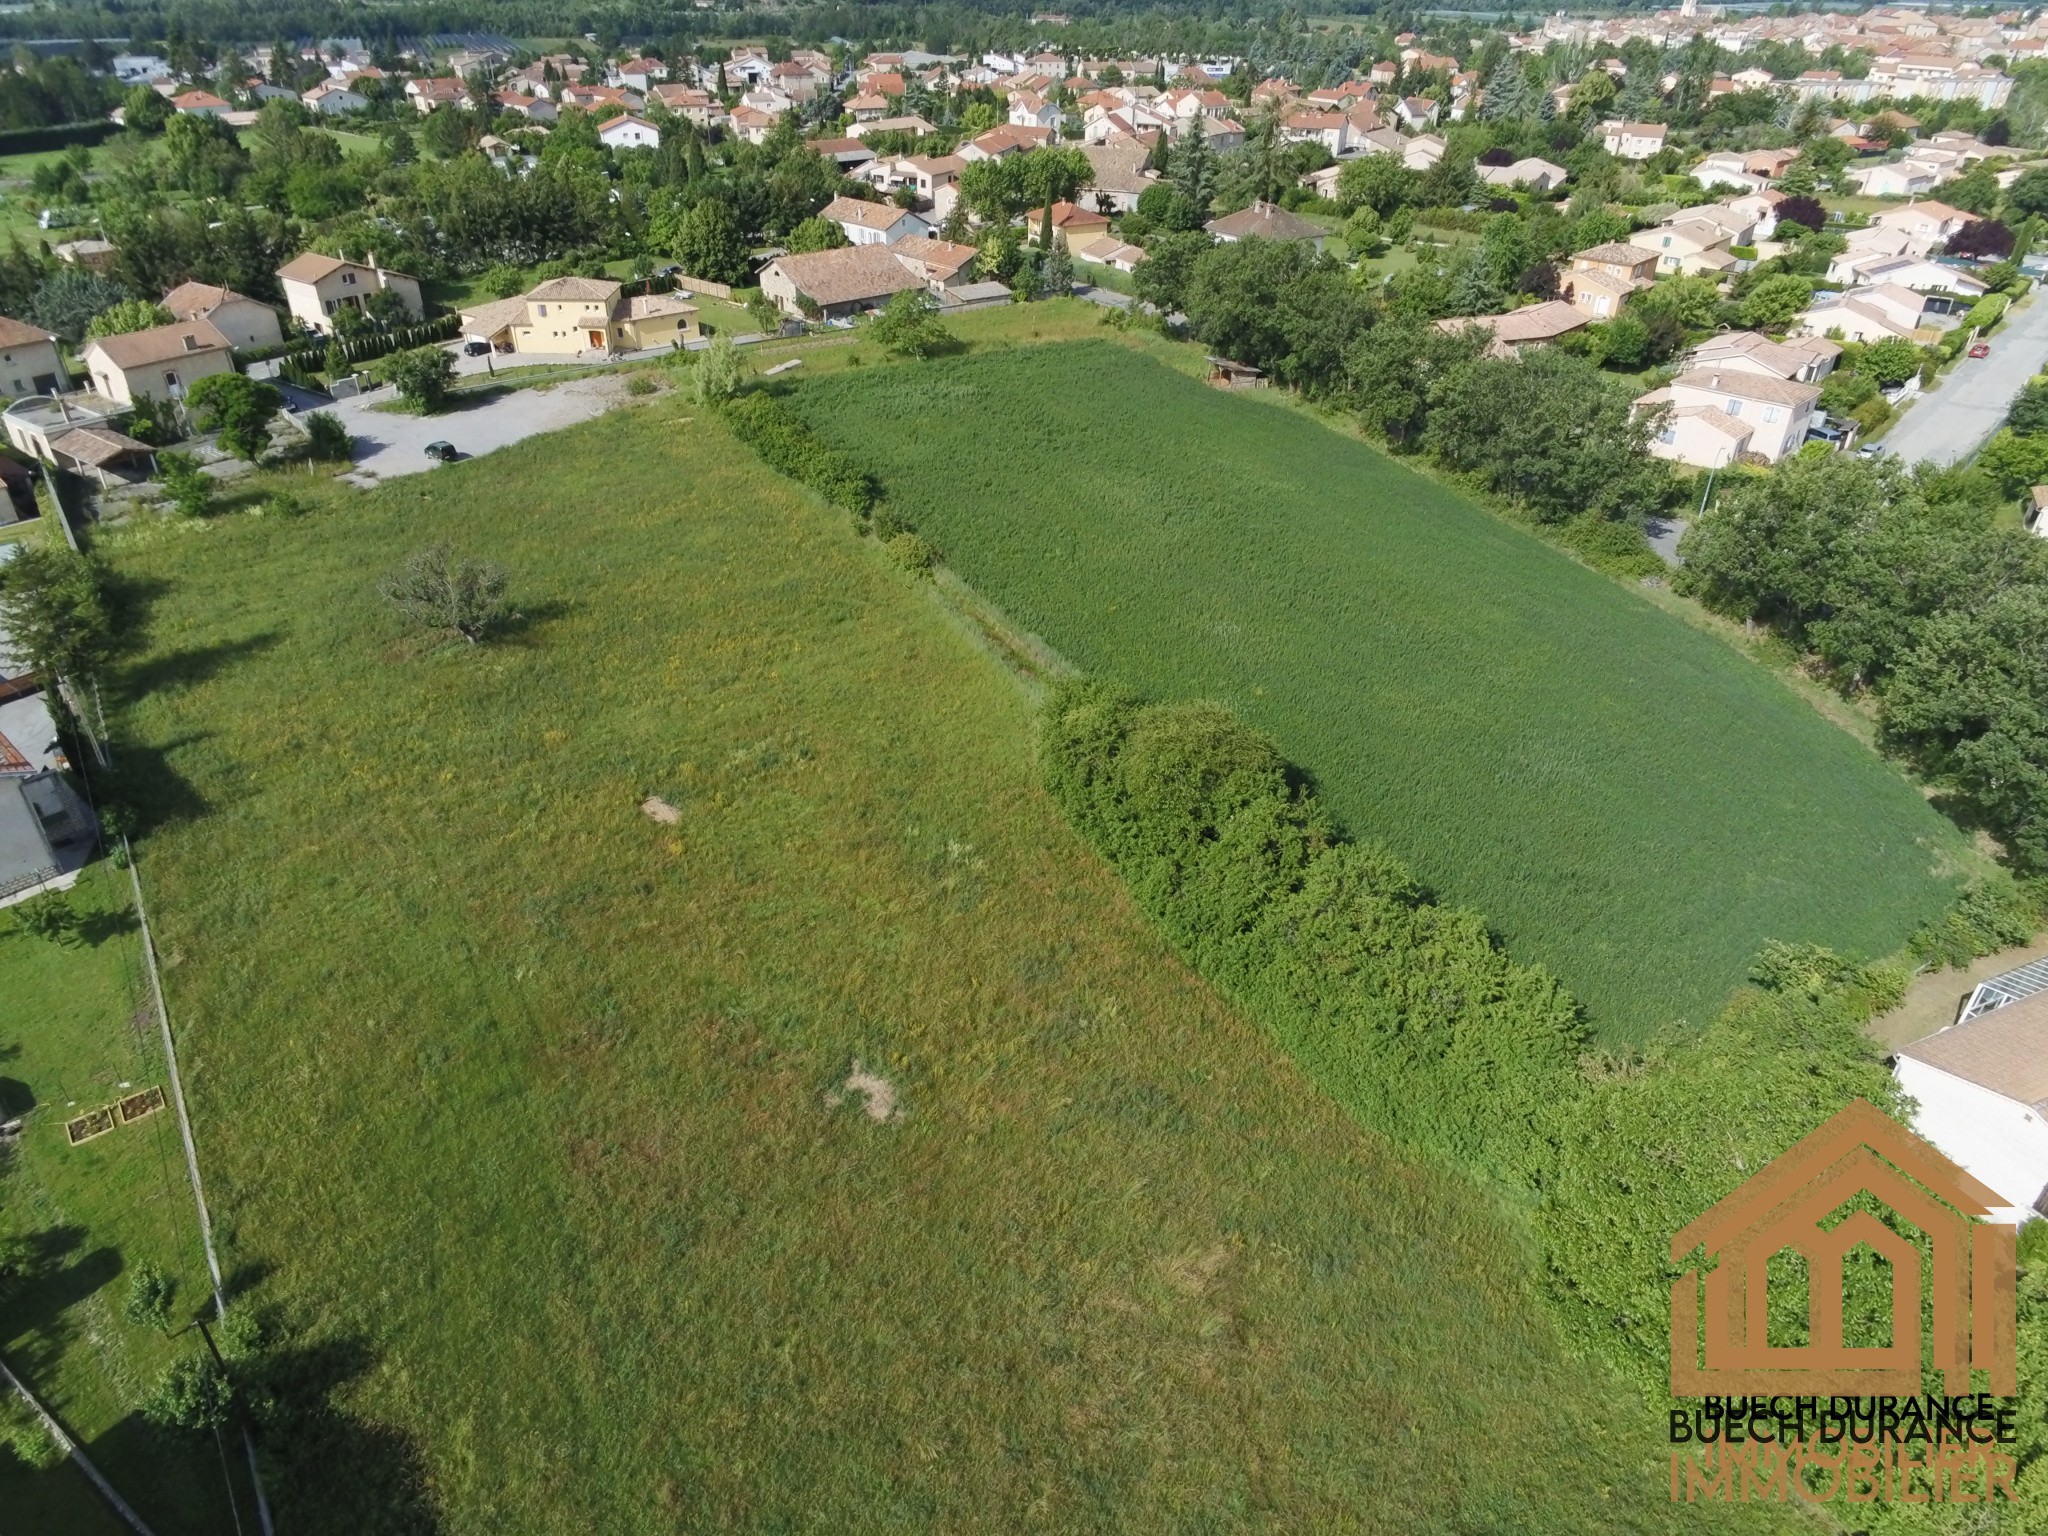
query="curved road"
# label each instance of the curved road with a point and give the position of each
(1953, 422)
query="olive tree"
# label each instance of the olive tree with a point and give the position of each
(439, 589)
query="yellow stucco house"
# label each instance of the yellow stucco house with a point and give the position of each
(568, 315)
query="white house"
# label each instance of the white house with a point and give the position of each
(628, 132)
(161, 363)
(1924, 224)
(1632, 141)
(243, 320)
(1981, 1091)
(1895, 178)
(29, 361)
(1806, 360)
(316, 285)
(1537, 175)
(873, 223)
(331, 98)
(1718, 412)
(1920, 273)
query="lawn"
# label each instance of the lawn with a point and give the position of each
(76, 1033)
(535, 1112)
(1628, 800)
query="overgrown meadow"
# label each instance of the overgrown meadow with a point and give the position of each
(1632, 804)
(548, 1129)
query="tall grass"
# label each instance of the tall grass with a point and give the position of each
(1635, 805)
(519, 1101)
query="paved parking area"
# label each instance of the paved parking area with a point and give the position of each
(391, 443)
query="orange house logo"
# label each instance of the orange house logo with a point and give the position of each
(1861, 1150)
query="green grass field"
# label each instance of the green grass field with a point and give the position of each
(1628, 800)
(533, 1109)
(74, 1030)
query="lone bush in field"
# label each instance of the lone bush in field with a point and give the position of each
(439, 589)
(150, 1292)
(910, 326)
(716, 376)
(327, 440)
(189, 487)
(192, 1394)
(911, 552)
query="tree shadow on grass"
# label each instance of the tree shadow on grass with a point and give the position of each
(525, 625)
(181, 669)
(58, 1273)
(95, 928)
(327, 1469)
(155, 793)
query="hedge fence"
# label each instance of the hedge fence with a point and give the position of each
(30, 141)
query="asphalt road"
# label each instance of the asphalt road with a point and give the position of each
(1953, 422)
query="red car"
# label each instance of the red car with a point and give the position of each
(1982, 349)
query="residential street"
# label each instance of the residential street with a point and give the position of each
(1953, 422)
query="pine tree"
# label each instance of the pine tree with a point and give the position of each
(1058, 276)
(1194, 166)
(1509, 96)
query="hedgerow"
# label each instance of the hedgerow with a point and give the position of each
(1413, 1018)
(787, 445)
(1407, 1010)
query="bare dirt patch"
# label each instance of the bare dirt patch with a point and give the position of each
(654, 808)
(877, 1093)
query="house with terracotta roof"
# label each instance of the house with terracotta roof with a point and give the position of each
(751, 125)
(1717, 412)
(1266, 221)
(832, 284)
(689, 103)
(873, 223)
(628, 132)
(1069, 219)
(425, 95)
(243, 320)
(1803, 359)
(640, 74)
(30, 363)
(1631, 141)
(569, 315)
(161, 363)
(199, 104)
(316, 285)
(1004, 139)
(867, 107)
(333, 98)
(1533, 325)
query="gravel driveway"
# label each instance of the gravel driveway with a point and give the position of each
(390, 443)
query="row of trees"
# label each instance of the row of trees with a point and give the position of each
(1908, 587)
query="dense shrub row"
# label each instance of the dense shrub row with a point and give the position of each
(788, 446)
(1406, 1010)
(1410, 1015)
